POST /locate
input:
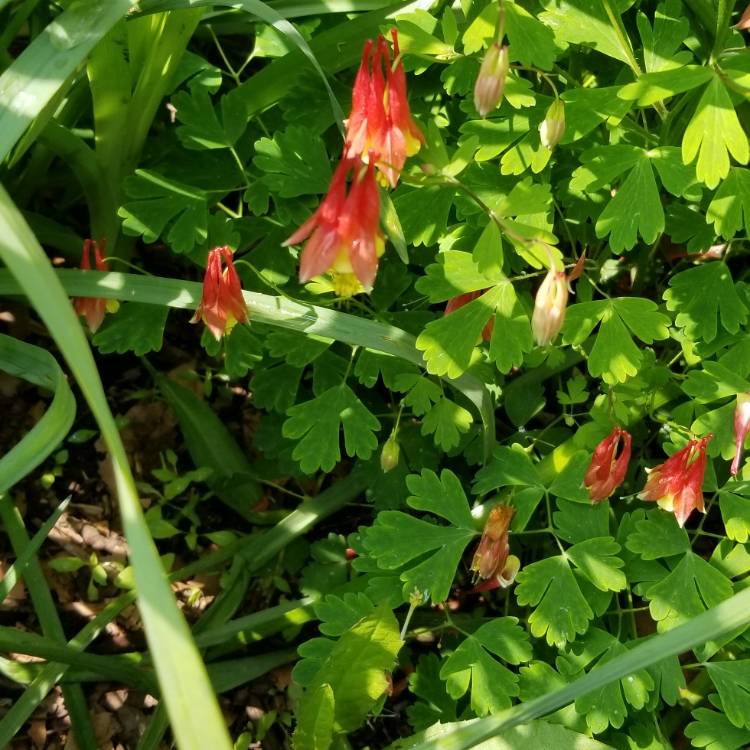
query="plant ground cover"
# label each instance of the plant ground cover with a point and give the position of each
(452, 454)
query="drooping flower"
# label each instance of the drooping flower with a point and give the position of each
(94, 308)
(380, 126)
(344, 233)
(550, 305)
(455, 303)
(492, 559)
(677, 484)
(741, 428)
(553, 126)
(607, 469)
(222, 305)
(490, 83)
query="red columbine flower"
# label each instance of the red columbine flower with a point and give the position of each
(741, 428)
(607, 470)
(677, 484)
(463, 299)
(492, 558)
(94, 308)
(380, 126)
(344, 232)
(222, 304)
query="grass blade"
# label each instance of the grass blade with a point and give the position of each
(194, 712)
(27, 553)
(44, 606)
(39, 367)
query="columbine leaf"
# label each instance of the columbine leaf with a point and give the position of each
(635, 209)
(562, 611)
(655, 86)
(576, 522)
(714, 382)
(581, 22)
(158, 204)
(446, 422)
(735, 512)
(275, 388)
(455, 273)
(507, 468)
(316, 425)
(337, 614)
(396, 539)
(713, 134)
(712, 730)
(729, 211)
(449, 341)
(691, 588)
(295, 162)
(531, 42)
(511, 332)
(700, 296)
(202, 128)
(135, 327)
(657, 536)
(587, 108)
(492, 684)
(614, 356)
(732, 680)
(606, 706)
(425, 683)
(597, 560)
(661, 42)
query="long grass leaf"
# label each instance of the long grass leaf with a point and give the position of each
(13, 573)
(39, 367)
(195, 716)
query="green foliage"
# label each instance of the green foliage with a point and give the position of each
(345, 678)
(161, 207)
(702, 297)
(134, 327)
(316, 424)
(614, 356)
(428, 552)
(472, 663)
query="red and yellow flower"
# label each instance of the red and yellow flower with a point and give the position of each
(677, 484)
(607, 469)
(380, 126)
(222, 305)
(344, 233)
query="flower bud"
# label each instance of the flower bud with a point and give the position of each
(552, 128)
(549, 307)
(488, 90)
(390, 454)
(741, 428)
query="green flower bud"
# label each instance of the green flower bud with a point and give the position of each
(488, 90)
(390, 454)
(553, 127)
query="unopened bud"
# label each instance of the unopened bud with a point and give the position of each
(488, 90)
(390, 454)
(552, 128)
(549, 307)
